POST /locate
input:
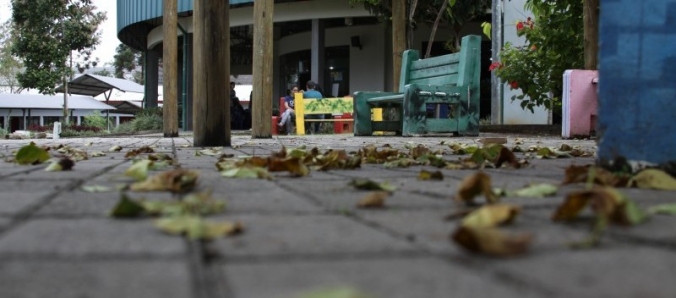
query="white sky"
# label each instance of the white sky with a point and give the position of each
(109, 42)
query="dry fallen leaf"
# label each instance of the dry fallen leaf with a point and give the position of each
(139, 170)
(195, 227)
(427, 175)
(653, 179)
(474, 185)
(176, 181)
(537, 190)
(592, 175)
(247, 172)
(63, 164)
(126, 208)
(374, 199)
(491, 241)
(666, 209)
(96, 188)
(367, 184)
(506, 156)
(293, 165)
(135, 152)
(606, 202)
(489, 216)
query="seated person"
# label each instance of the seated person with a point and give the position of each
(288, 112)
(312, 93)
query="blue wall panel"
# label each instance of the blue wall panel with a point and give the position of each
(134, 11)
(637, 81)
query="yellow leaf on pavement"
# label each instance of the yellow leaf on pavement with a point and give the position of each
(374, 199)
(427, 175)
(653, 179)
(489, 216)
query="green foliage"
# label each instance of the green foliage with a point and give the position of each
(145, 120)
(126, 61)
(95, 119)
(458, 13)
(3, 133)
(554, 43)
(10, 66)
(103, 72)
(48, 32)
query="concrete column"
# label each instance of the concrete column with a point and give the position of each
(318, 57)
(117, 121)
(152, 78)
(189, 74)
(637, 95)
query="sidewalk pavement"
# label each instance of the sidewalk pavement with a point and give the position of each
(305, 234)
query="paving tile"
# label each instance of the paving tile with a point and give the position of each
(101, 279)
(277, 235)
(86, 237)
(255, 195)
(17, 195)
(391, 278)
(609, 271)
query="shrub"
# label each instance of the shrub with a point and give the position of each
(148, 119)
(554, 43)
(3, 133)
(96, 119)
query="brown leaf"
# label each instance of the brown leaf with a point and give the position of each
(474, 185)
(135, 152)
(177, 181)
(499, 141)
(374, 199)
(281, 154)
(293, 165)
(491, 241)
(427, 175)
(592, 174)
(572, 206)
(606, 202)
(506, 155)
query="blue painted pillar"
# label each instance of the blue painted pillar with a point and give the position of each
(637, 81)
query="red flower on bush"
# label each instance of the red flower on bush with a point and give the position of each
(495, 65)
(519, 26)
(514, 84)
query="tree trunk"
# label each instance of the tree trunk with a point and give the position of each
(211, 73)
(170, 64)
(398, 39)
(434, 28)
(591, 34)
(262, 69)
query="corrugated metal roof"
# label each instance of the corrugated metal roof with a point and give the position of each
(95, 85)
(37, 101)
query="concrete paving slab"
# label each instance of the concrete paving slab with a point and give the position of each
(627, 271)
(379, 277)
(89, 237)
(259, 196)
(101, 279)
(337, 195)
(17, 195)
(286, 235)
